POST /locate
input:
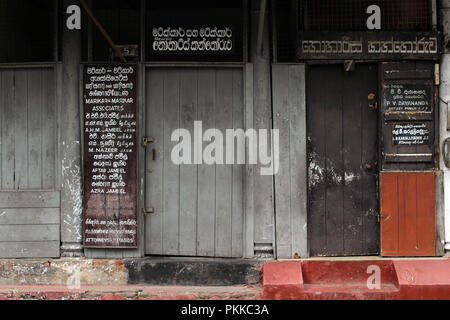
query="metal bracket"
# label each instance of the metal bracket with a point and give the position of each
(147, 140)
(147, 211)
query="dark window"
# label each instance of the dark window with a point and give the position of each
(120, 19)
(27, 30)
(286, 26)
(347, 15)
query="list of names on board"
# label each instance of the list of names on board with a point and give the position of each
(110, 155)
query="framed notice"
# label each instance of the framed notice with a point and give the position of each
(110, 155)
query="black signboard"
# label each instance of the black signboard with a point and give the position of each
(407, 97)
(410, 134)
(198, 34)
(110, 155)
(369, 45)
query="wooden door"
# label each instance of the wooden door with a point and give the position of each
(342, 161)
(408, 214)
(198, 209)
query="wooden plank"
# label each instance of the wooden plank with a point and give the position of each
(154, 168)
(389, 213)
(206, 173)
(171, 182)
(29, 216)
(223, 120)
(7, 130)
(298, 169)
(34, 249)
(21, 119)
(237, 203)
(426, 214)
(35, 125)
(49, 136)
(353, 93)
(42, 232)
(334, 165)
(408, 213)
(30, 199)
(370, 155)
(249, 214)
(316, 163)
(281, 111)
(188, 172)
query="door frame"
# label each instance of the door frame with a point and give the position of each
(248, 206)
(378, 134)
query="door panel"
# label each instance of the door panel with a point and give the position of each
(408, 214)
(198, 208)
(342, 161)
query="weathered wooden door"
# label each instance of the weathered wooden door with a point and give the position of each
(198, 208)
(342, 161)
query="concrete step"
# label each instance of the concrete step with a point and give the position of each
(194, 271)
(321, 279)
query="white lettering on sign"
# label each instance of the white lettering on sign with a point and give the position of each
(205, 39)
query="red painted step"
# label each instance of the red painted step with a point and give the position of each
(322, 279)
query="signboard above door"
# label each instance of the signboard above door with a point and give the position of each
(369, 45)
(187, 34)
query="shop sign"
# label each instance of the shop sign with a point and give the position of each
(369, 45)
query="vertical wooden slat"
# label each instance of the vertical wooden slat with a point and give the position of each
(334, 165)
(298, 169)
(369, 200)
(426, 213)
(154, 168)
(408, 217)
(7, 130)
(223, 120)
(48, 130)
(317, 219)
(281, 104)
(237, 179)
(188, 172)
(21, 118)
(206, 173)
(171, 172)
(35, 126)
(389, 213)
(353, 122)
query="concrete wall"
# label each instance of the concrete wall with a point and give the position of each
(444, 95)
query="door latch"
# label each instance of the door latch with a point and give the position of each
(147, 140)
(147, 211)
(373, 105)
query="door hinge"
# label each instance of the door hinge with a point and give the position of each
(147, 140)
(147, 211)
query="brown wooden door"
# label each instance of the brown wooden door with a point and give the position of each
(342, 160)
(408, 214)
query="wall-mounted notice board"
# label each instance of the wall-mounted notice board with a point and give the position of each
(110, 155)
